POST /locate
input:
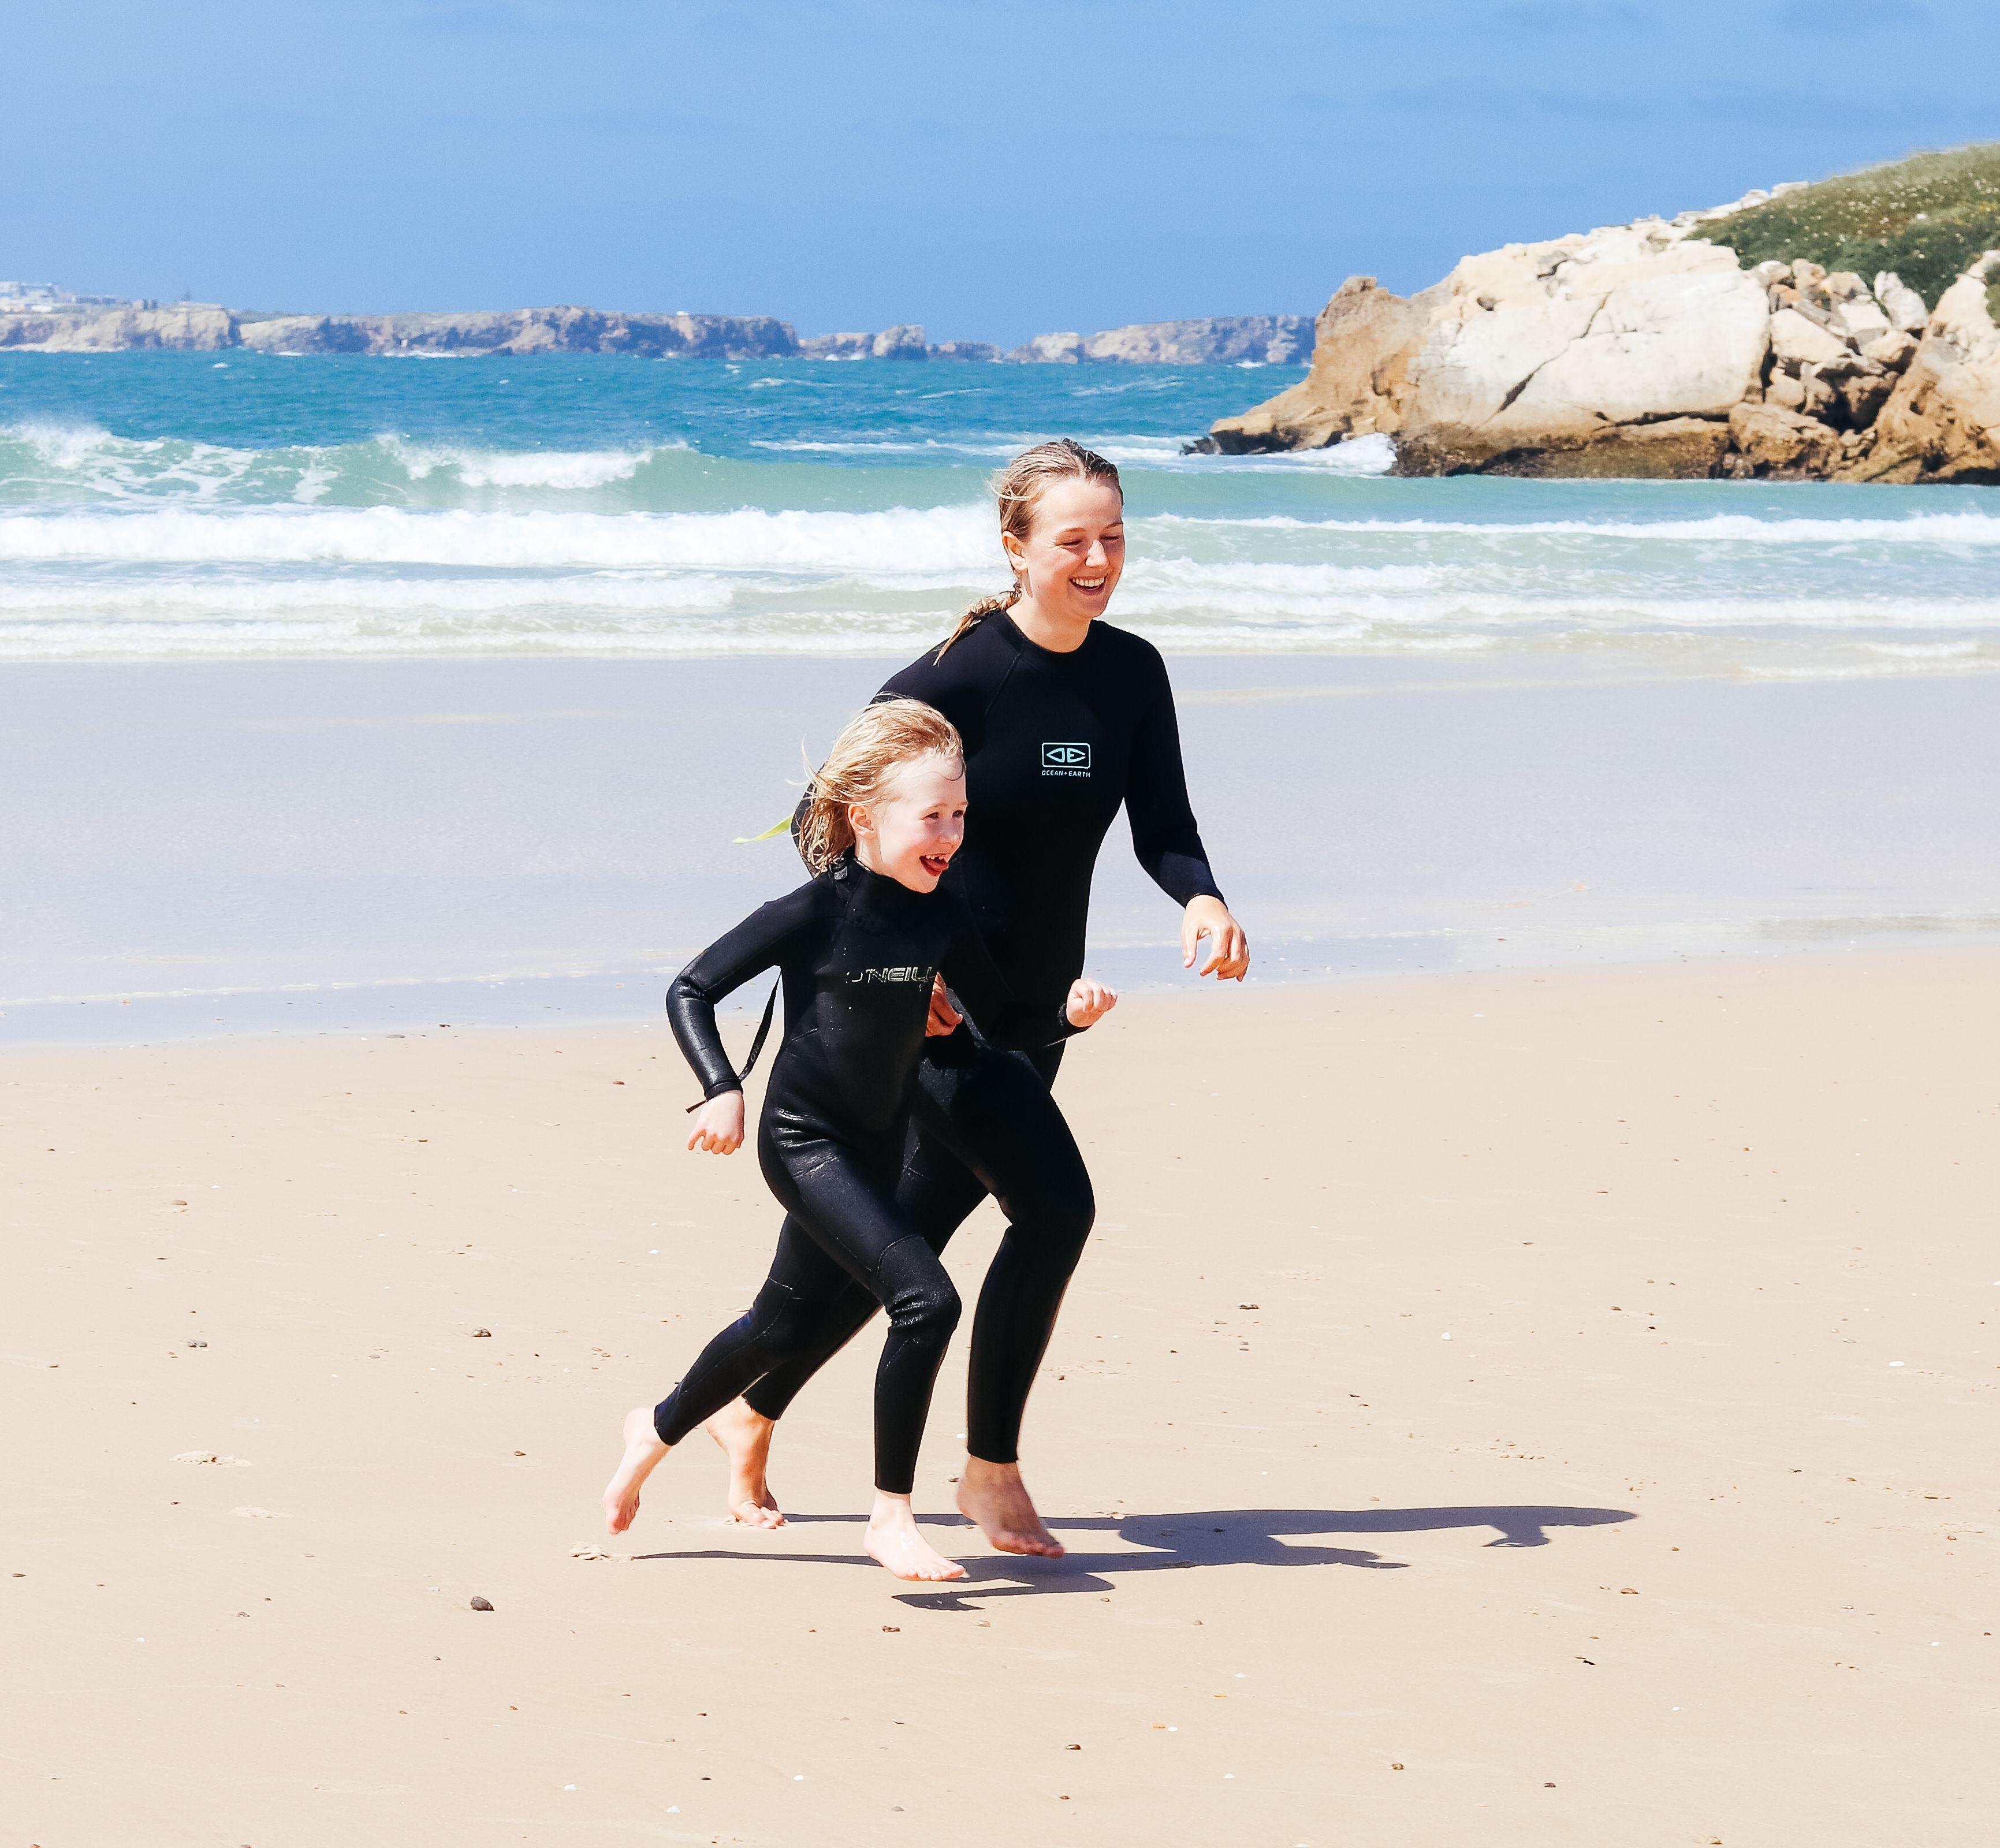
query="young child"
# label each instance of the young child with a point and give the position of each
(856, 948)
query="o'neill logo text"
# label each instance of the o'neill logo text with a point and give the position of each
(908, 973)
(1065, 760)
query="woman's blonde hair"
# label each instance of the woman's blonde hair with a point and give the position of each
(1019, 487)
(878, 741)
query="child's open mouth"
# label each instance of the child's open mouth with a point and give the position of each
(934, 864)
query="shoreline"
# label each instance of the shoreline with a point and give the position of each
(359, 844)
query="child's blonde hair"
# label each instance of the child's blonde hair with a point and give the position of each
(878, 741)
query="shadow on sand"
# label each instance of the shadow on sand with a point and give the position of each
(1186, 1540)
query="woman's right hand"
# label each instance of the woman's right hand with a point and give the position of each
(718, 1124)
(1089, 1002)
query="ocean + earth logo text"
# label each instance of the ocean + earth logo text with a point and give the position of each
(1065, 760)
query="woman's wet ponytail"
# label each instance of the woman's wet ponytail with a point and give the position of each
(1018, 488)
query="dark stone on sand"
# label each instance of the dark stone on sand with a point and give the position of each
(480, 1604)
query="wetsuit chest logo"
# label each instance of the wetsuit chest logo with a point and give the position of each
(910, 972)
(1065, 760)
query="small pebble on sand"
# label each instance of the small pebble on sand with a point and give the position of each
(481, 1604)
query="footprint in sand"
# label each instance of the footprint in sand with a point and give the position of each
(594, 1553)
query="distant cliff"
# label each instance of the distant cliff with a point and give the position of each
(1649, 349)
(1277, 339)
(1223, 340)
(518, 331)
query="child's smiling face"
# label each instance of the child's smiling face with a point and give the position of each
(910, 834)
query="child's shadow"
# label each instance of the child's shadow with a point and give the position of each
(1184, 1541)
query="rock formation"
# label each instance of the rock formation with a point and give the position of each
(1647, 350)
(1221, 340)
(892, 343)
(83, 327)
(1942, 422)
(520, 331)
(190, 326)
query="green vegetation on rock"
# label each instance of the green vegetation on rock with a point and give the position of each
(1926, 218)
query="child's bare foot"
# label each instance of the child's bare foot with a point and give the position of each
(993, 1496)
(893, 1540)
(644, 1453)
(745, 1438)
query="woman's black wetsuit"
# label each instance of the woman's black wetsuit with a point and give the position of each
(856, 952)
(1054, 744)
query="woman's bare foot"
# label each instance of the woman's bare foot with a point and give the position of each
(993, 1496)
(644, 1453)
(893, 1540)
(745, 1438)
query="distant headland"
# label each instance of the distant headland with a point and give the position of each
(1848, 330)
(39, 318)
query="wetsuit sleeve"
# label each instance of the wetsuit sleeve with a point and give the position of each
(1164, 834)
(772, 935)
(971, 974)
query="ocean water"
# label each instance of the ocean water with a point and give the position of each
(363, 694)
(166, 506)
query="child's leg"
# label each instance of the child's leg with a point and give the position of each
(803, 1276)
(846, 1202)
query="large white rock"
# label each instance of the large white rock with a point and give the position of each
(1904, 305)
(1533, 352)
(1547, 346)
(1796, 342)
(1862, 320)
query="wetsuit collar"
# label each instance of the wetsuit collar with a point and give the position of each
(1027, 645)
(876, 889)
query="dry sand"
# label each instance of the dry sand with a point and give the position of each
(1500, 1409)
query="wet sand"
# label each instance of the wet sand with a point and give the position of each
(1519, 1408)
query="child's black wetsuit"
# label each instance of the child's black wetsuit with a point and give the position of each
(1054, 744)
(856, 952)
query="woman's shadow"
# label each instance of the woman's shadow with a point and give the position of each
(1188, 1539)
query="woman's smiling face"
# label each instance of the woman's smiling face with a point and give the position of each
(1075, 552)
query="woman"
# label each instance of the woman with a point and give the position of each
(1064, 719)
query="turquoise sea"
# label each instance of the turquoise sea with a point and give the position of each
(367, 694)
(178, 506)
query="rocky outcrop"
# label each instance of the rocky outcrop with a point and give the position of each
(525, 330)
(201, 328)
(1942, 422)
(80, 327)
(189, 326)
(1220, 340)
(892, 343)
(1647, 350)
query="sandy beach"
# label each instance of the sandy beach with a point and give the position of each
(1518, 1407)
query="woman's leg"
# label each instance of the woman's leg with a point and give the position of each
(994, 1115)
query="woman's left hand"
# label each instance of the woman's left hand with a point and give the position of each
(1228, 948)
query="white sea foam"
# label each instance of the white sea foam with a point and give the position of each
(921, 539)
(1969, 528)
(577, 470)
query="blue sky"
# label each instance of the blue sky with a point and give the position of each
(991, 171)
